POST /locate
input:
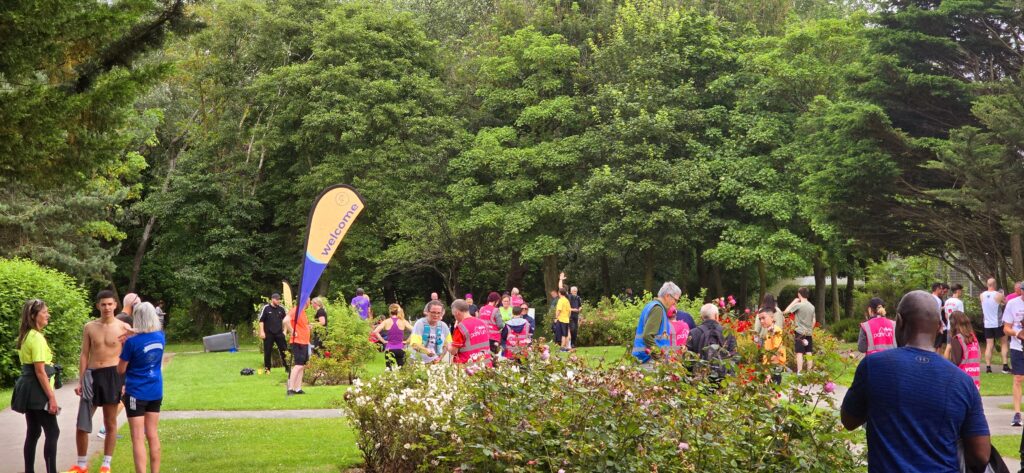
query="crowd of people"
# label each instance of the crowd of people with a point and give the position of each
(916, 390)
(120, 366)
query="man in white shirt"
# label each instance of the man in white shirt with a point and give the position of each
(991, 299)
(953, 304)
(1013, 327)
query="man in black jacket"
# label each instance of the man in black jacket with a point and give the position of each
(710, 342)
(272, 331)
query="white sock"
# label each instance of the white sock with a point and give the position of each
(83, 462)
(106, 460)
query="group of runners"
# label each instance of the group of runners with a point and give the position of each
(120, 365)
(503, 326)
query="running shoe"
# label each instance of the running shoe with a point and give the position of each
(1006, 369)
(290, 393)
(300, 392)
(104, 469)
(1016, 420)
(988, 369)
(77, 469)
(102, 433)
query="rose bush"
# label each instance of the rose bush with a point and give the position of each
(547, 415)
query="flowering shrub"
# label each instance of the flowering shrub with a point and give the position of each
(564, 415)
(346, 346)
(613, 321)
(398, 414)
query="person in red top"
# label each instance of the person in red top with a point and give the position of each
(299, 328)
(471, 337)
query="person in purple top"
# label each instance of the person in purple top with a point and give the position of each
(362, 304)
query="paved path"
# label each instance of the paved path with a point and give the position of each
(12, 424)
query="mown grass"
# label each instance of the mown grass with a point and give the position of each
(222, 445)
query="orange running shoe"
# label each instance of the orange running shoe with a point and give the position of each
(77, 469)
(104, 469)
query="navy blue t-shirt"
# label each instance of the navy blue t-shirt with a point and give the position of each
(144, 353)
(684, 316)
(917, 405)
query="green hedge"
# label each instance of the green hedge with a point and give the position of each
(21, 280)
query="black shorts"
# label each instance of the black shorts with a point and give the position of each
(994, 332)
(798, 344)
(561, 329)
(106, 386)
(300, 354)
(137, 407)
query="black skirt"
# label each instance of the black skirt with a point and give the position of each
(28, 394)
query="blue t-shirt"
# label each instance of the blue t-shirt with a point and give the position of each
(917, 405)
(684, 316)
(144, 353)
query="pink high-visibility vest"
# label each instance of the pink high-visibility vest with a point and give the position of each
(970, 362)
(682, 332)
(477, 336)
(516, 343)
(486, 314)
(880, 333)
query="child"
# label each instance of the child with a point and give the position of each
(771, 343)
(517, 334)
(966, 353)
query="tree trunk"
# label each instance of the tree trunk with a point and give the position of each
(834, 273)
(716, 279)
(516, 272)
(819, 286)
(1017, 256)
(762, 281)
(850, 277)
(550, 274)
(741, 301)
(703, 281)
(147, 232)
(684, 271)
(649, 270)
(606, 277)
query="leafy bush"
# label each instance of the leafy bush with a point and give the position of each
(563, 414)
(346, 349)
(613, 321)
(847, 330)
(21, 280)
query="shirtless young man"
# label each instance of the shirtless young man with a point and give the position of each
(99, 383)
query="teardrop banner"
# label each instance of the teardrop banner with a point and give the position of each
(333, 213)
(286, 291)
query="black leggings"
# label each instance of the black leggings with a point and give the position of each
(392, 357)
(39, 422)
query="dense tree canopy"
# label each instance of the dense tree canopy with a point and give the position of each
(173, 148)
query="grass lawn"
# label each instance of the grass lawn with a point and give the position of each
(222, 445)
(1009, 447)
(211, 381)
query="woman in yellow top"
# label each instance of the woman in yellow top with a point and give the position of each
(33, 392)
(771, 342)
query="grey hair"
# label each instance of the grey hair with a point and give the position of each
(144, 319)
(670, 289)
(708, 311)
(426, 308)
(460, 305)
(574, 288)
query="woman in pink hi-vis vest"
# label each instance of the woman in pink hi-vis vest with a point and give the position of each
(878, 333)
(966, 353)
